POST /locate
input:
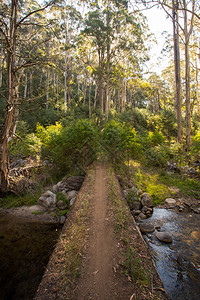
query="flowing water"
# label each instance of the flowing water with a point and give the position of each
(178, 264)
(25, 248)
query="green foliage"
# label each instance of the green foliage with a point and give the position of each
(133, 267)
(120, 141)
(15, 201)
(29, 146)
(72, 147)
(151, 184)
(155, 138)
(188, 186)
(196, 143)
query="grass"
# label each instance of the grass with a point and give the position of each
(68, 259)
(16, 201)
(132, 265)
(188, 186)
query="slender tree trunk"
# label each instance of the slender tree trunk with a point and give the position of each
(90, 84)
(95, 96)
(65, 91)
(118, 99)
(47, 90)
(1, 63)
(85, 86)
(57, 87)
(11, 100)
(123, 95)
(178, 100)
(31, 83)
(100, 84)
(25, 85)
(187, 79)
(198, 100)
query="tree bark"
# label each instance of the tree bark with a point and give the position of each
(11, 100)
(178, 100)
(187, 75)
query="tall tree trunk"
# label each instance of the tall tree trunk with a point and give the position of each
(100, 83)
(187, 34)
(47, 90)
(95, 96)
(57, 87)
(90, 85)
(123, 95)
(1, 62)
(25, 85)
(31, 83)
(11, 100)
(85, 86)
(118, 99)
(198, 100)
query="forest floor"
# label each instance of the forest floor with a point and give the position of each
(101, 253)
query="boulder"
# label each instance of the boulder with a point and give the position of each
(136, 212)
(164, 237)
(125, 192)
(146, 228)
(134, 189)
(36, 209)
(146, 200)
(170, 201)
(47, 200)
(73, 183)
(197, 210)
(71, 195)
(144, 209)
(61, 205)
(57, 187)
(139, 192)
(62, 220)
(72, 201)
(135, 205)
(142, 216)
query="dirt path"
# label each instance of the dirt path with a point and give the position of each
(87, 261)
(98, 279)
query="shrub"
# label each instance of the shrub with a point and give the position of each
(120, 141)
(72, 147)
(155, 138)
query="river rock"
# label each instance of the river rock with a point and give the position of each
(142, 216)
(170, 201)
(144, 209)
(146, 200)
(61, 205)
(164, 237)
(136, 212)
(36, 209)
(72, 201)
(125, 192)
(146, 228)
(135, 205)
(48, 200)
(197, 210)
(62, 220)
(139, 192)
(73, 183)
(71, 195)
(134, 189)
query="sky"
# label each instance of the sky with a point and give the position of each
(158, 23)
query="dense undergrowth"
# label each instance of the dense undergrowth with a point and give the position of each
(71, 144)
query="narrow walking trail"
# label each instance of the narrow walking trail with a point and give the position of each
(90, 257)
(98, 279)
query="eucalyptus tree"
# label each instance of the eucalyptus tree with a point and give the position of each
(117, 35)
(14, 15)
